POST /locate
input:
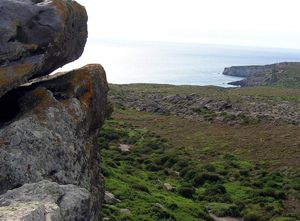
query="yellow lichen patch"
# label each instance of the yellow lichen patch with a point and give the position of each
(83, 79)
(86, 98)
(10, 74)
(31, 47)
(42, 102)
(3, 79)
(23, 69)
(64, 9)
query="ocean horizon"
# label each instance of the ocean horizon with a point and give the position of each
(175, 63)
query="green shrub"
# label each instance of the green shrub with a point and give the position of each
(103, 143)
(215, 193)
(187, 192)
(111, 134)
(205, 177)
(284, 219)
(210, 168)
(159, 213)
(141, 187)
(215, 190)
(181, 164)
(173, 206)
(154, 168)
(271, 192)
(252, 216)
(223, 209)
(204, 216)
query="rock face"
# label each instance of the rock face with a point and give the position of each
(247, 71)
(257, 75)
(37, 37)
(52, 135)
(49, 159)
(45, 200)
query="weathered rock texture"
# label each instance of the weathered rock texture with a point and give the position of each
(37, 37)
(46, 200)
(52, 135)
(204, 107)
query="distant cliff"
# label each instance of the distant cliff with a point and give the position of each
(285, 74)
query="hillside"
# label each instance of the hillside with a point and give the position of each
(161, 164)
(285, 74)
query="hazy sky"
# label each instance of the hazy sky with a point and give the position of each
(269, 23)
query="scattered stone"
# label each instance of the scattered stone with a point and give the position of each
(245, 110)
(168, 186)
(110, 198)
(125, 147)
(225, 218)
(160, 206)
(125, 211)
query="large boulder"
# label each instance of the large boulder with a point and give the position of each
(48, 130)
(45, 200)
(37, 37)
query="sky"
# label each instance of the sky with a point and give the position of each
(265, 23)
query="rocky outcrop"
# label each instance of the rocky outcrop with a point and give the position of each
(37, 37)
(52, 135)
(49, 159)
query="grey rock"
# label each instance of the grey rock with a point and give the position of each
(125, 147)
(110, 198)
(45, 200)
(168, 187)
(53, 132)
(37, 37)
(125, 211)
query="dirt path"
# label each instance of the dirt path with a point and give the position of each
(225, 218)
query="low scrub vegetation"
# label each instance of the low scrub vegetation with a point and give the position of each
(223, 186)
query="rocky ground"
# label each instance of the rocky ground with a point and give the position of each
(207, 107)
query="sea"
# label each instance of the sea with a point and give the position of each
(175, 63)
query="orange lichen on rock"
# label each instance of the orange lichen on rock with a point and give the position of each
(83, 79)
(14, 73)
(41, 101)
(23, 69)
(61, 8)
